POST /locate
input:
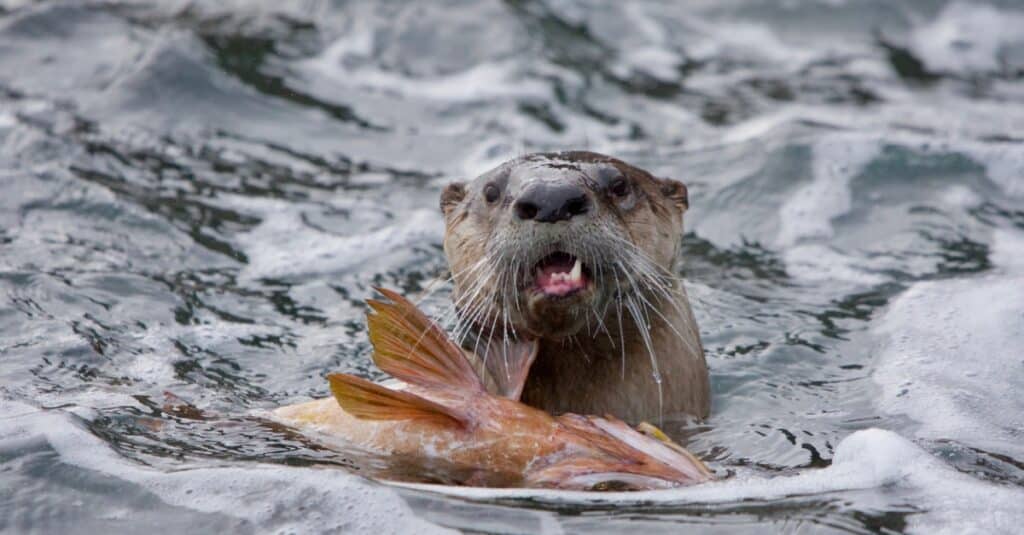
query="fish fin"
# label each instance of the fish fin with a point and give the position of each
(411, 347)
(585, 426)
(657, 441)
(633, 448)
(508, 364)
(370, 401)
(652, 431)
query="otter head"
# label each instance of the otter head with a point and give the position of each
(550, 244)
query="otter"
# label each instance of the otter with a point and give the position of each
(579, 251)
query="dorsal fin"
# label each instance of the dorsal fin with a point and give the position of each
(411, 347)
(371, 401)
(508, 364)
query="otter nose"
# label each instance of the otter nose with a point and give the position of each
(551, 203)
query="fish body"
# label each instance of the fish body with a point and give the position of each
(496, 450)
(441, 412)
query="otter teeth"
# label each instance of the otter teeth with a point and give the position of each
(554, 279)
(577, 271)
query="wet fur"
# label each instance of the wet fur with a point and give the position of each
(593, 355)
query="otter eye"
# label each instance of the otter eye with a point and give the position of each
(619, 187)
(491, 193)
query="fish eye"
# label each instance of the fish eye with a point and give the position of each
(619, 187)
(491, 193)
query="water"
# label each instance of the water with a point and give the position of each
(196, 198)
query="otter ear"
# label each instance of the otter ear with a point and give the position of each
(675, 190)
(453, 194)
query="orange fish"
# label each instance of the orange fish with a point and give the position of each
(444, 415)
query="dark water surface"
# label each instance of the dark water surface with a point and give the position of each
(197, 197)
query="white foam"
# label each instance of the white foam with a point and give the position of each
(646, 48)
(805, 218)
(953, 354)
(483, 81)
(746, 39)
(657, 62)
(1007, 250)
(960, 196)
(808, 211)
(952, 360)
(871, 459)
(818, 262)
(275, 499)
(282, 245)
(968, 38)
(7, 120)
(1004, 163)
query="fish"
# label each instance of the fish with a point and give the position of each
(440, 412)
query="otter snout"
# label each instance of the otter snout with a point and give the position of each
(551, 202)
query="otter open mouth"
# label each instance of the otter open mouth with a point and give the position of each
(561, 274)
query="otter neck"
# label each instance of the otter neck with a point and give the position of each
(601, 372)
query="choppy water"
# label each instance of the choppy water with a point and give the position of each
(197, 198)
